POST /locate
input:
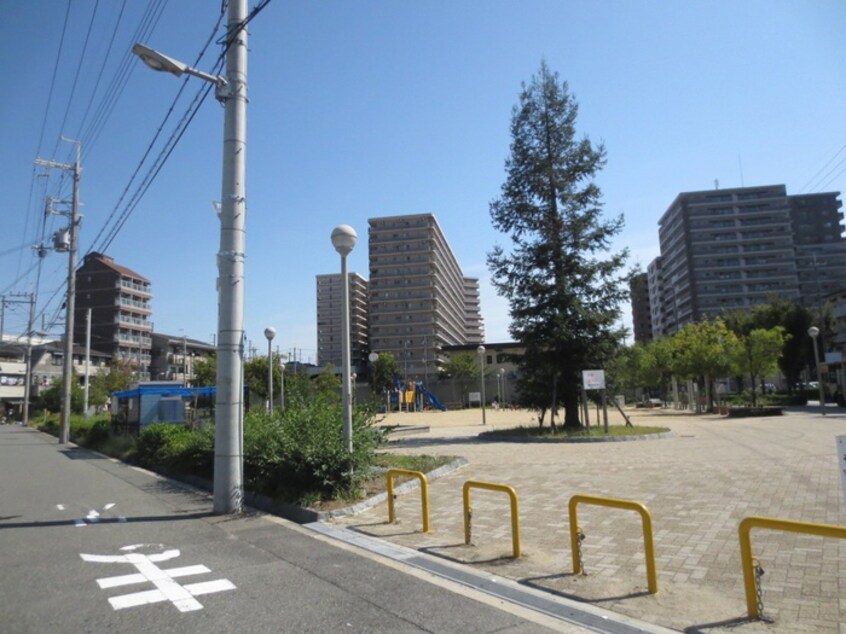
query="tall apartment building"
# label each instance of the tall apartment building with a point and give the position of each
(420, 301)
(329, 306)
(730, 249)
(119, 299)
(641, 315)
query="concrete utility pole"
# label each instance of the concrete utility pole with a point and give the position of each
(70, 302)
(87, 362)
(232, 91)
(28, 359)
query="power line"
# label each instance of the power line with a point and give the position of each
(110, 233)
(822, 169)
(79, 66)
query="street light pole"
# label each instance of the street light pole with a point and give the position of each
(270, 333)
(343, 239)
(232, 90)
(481, 351)
(814, 332)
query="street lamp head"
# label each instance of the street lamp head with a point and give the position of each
(813, 331)
(502, 372)
(480, 350)
(344, 238)
(270, 333)
(159, 61)
(373, 357)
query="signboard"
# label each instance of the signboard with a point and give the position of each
(841, 462)
(834, 357)
(593, 379)
(474, 397)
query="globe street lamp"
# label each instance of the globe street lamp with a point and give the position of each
(232, 91)
(501, 386)
(481, 351)
(270, 333)
(814, 332)
(343, 239)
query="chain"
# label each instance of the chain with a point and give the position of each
(759, 572)
(581, 537)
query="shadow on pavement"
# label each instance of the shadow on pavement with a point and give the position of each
(728, 623)
(534, 582)
(108, 520)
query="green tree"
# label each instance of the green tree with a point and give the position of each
(704, 351)
(119, 377)
(564, 288)
(328, 383)
(464, 368)
(51, 398)
(758, 354)
(204, 371)
(383, 371)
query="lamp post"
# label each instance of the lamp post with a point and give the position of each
(281, 384)
(270, 333)
(501, 386)
(232, 91)
(343, 239)
(814, 332)
(481, 351)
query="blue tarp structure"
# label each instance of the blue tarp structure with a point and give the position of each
(176, 390)
(144, 405)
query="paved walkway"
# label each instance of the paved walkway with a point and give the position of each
(697, 484)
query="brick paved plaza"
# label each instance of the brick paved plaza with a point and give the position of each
(698, 484)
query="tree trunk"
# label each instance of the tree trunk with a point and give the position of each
(571, 412)
(554, 406)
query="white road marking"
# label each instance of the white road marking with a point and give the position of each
(61, 507)
(166, 589)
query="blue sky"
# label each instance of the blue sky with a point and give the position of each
(372, 108)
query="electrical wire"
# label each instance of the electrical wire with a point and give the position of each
(108, 233)
(79, 66)
(807, 185)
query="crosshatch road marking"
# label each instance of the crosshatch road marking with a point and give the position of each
(166, 589)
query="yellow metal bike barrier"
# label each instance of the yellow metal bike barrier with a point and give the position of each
(515, 511)
(424, 494)
(646, 518)
(750, 580)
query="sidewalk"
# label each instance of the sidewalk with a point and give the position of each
(697, 484)
(89, 544)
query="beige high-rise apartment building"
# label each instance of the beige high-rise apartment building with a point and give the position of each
(329, 306)
(420, 301)
(729, 249)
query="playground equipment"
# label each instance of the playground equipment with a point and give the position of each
(431, 397)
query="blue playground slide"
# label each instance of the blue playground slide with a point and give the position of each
(432, 398)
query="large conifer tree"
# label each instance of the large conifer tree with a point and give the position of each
(563, 286)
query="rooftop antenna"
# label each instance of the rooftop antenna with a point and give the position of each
(716, 183)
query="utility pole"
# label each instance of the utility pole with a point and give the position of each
(87, 362)
(28, 360)
(70, 303)
(2, 316)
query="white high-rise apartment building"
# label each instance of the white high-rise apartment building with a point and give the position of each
(419, 298)
(329, 306)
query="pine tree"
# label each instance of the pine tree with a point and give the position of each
(563, 296)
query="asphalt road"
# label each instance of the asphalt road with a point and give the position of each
(88, 544)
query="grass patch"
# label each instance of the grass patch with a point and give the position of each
(422, 463)
(597, 431)
(378, 482)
